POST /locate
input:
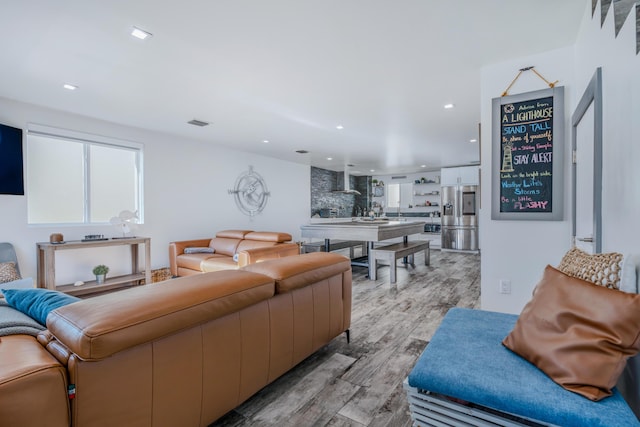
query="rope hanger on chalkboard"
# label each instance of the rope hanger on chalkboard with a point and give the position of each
(522, 70)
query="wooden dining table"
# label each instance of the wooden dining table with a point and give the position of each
(370, 231)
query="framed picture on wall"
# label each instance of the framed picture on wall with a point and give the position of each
(527, 156)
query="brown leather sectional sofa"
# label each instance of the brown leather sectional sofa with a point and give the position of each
(177, 353)
(246, 246)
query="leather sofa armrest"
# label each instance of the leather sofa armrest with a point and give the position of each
(53, 346)
(292, 273)
(295, 273)
(254, 255)
(177, 248)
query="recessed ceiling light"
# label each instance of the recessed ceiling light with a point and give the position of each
(423, 166)
(448, 106)
(473, 140)
(69, 87)
(265, 141)
(329, 158)
(372, 170)
(140, 34)
(339, 127)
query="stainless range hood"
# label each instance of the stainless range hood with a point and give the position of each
(346, 189)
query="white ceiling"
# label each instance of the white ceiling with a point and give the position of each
(287, 71)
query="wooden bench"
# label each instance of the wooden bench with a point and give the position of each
(335, 245)
(391, 253)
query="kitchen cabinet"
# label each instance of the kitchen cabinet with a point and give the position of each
(432, 232)
(464, 175)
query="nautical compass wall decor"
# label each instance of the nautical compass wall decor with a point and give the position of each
(250, 192)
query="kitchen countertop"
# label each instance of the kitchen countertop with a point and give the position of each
(404, 218)
(369, 231)
(362, 229)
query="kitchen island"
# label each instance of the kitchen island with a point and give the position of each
(369, 231)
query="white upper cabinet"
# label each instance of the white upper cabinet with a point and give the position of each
(467, 175)
(449, 176)
(470, 175)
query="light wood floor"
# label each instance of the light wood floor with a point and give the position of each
(360, 384)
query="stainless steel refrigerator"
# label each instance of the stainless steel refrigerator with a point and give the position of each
(460, 217)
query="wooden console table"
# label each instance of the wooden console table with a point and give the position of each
(47, 268)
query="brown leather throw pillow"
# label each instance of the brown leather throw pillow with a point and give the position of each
(578, 333)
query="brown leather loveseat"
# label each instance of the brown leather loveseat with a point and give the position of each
(181, 352)
(232, 249)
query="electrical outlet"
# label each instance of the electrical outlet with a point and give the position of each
(505, 286)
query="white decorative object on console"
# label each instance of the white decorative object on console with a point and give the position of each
(125, 221)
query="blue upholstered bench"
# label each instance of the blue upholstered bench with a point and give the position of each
(466, 376)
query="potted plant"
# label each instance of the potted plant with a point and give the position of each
(100, 272)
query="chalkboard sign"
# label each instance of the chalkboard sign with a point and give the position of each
(528, 134)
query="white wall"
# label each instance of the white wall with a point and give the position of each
(598, 47)
(186, 195)
(519, 250)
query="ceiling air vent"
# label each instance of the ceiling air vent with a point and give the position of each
(301, 151)
(198, 123)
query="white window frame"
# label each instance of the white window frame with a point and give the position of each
(87, 140)
(405, 195)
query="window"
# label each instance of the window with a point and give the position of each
(393, 195)
(399, 195)
(76, 178)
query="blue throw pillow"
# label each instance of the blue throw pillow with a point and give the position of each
(37, 303)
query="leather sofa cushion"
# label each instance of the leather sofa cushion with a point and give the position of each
(297, 271)
(22, 355)
(233, 234)
(221, 262)
(224, 245)
(33, 384)
(98, 327)
(194, 261)
(269, 236)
